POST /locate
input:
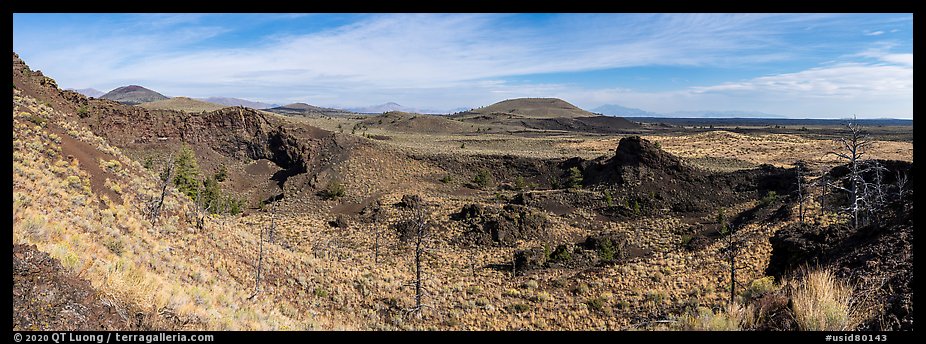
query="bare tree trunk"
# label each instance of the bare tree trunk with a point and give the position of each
(823, 184)
(419, 252)
(732, 249)
(260, 254)
(168, 174)
(854, 144)
(260, 260)
(800, 194)
(376, 243)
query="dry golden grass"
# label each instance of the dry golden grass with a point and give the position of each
(320, 277)
(168, 270)
(822, 303)
(776, 149)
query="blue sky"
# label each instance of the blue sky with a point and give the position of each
(798, 65)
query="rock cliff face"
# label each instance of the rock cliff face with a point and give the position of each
(229, 135)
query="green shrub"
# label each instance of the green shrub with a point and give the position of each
(519, 183)
(574, 180)
(686, 239)
(760, 287)
(473, 290)
(446, 179)
(606, 250)
(581, 289)
(334, 190)
(83, 112)
(769, 198)
(186, 172)
(520, 308)
(113, 166)
(37, 120)
(483, 179)
(114, 245)
(211, 194)
(596, 304)
(608, 199)
(623, 304)
(562, 253)
(222, 174)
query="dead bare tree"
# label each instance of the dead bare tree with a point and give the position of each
(260, 250)
(854, 146)
(158, 204)
(376, 217)
(726, 228)
(901, 184)
(800, 167)
(823, 181)
(874, 192)
(421, 230)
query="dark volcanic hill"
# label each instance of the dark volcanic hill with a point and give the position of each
(531, 108)
(133, 94)
(658, 179)
(303, 109)
(545, 114)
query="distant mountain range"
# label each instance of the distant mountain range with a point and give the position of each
(89, 92)
(238, 102)
(303, 109)
(392, 106)
(618, 110)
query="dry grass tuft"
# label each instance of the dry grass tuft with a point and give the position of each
(822, 303)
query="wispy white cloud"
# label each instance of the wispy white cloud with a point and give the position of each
(424, 50)
(838, 90)
(447, 61)
(874, 33)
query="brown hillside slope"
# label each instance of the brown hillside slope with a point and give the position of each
(182, 104)
(417, 123)
(92, 217)
(234, 137)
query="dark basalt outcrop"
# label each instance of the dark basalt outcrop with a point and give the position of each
(877, 258)
(487, 226)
